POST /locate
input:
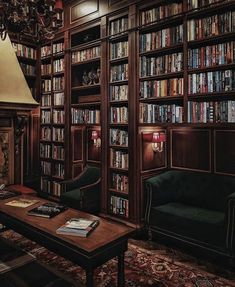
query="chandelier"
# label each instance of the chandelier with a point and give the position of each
(39, 19)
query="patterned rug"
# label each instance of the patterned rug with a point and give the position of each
(146, 264)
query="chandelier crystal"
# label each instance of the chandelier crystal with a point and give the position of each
(39, 19)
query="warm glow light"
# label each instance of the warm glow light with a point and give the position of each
(158, 140)
(95, 137)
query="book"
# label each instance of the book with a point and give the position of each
(81, 227)
(48, 210)
(4, 194)
(22, 202)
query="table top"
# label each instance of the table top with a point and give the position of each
(107, 232)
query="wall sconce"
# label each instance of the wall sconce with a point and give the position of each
(95, 137)
(158, 140)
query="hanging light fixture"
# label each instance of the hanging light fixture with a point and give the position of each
(39, 19)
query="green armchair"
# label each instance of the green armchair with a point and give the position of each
(83, 192)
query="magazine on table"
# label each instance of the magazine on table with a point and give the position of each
(22, 202)
(78, 227)
(48, 210)
(4, 194)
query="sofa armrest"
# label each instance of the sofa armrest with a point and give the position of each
(90, 196)
(160, 189)
(230, 240)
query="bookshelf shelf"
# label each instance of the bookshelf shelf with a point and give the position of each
(165, 50)
(85, 62)
(162, 76)
(214, 68)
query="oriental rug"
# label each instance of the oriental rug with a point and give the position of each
(146, 264)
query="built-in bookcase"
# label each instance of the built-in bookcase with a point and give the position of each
(85, 95)
(53, 113)
(161, 63)
(211, 62)
(118, 116)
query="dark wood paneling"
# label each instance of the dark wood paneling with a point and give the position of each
(77, 169)
(93, 152)
(83, 8)
(77, 143)
(224, 141)
(149, 159)
(191, 149)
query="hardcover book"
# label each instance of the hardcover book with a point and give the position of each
(4, 194)
(48, 210)
(22, 202)
(78, 227)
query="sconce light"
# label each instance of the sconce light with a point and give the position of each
(95, 137)
(158, 140)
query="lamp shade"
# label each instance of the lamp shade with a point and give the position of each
(59, 5)
(158, 137)
(94, 135)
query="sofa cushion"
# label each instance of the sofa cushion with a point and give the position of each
(198, 223)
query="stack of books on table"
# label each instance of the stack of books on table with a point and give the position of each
(78, 227)
(48, 210)
(4, 194)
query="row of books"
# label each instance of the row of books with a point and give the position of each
(211, 26)
(210, 112)
(58, 83)
(161, 12)
(153, 66)
(119, 72)
(119, 159)
(119, 25)
(195, 4)
(214, 55)
(58, 99)
(51, 187)
(161, 39)
(57, 151)
(119, 115)
(119, 206)
(57, 134)
(118, 137)
(58, 65)
(119, 182)
(46, 69)
(46, 133)
(46, 167)
(48, 50)
(119, 93)
(45, 51)
(162, 88)
(58, 116)
(153, 113)
(28, 69)
(45, 117)
(88, 116)
(118, 50)
(84, 55)
(59, 170)
(25, 51)
(218, 81)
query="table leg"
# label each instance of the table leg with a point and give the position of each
(121, 274)
(89, 278)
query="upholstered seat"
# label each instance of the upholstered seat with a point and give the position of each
(83, 192)
(193, 208)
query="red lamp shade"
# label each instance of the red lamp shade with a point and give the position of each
(59, 4)
(158, 137)
(94, 135)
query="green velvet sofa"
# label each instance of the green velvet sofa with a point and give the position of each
(83, 192)
(194, 210)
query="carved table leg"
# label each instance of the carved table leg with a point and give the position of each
(121, 274)
(89, 278)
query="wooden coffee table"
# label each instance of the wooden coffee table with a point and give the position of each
(107, 241)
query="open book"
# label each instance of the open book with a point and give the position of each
(48, 210)
(78, 227)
